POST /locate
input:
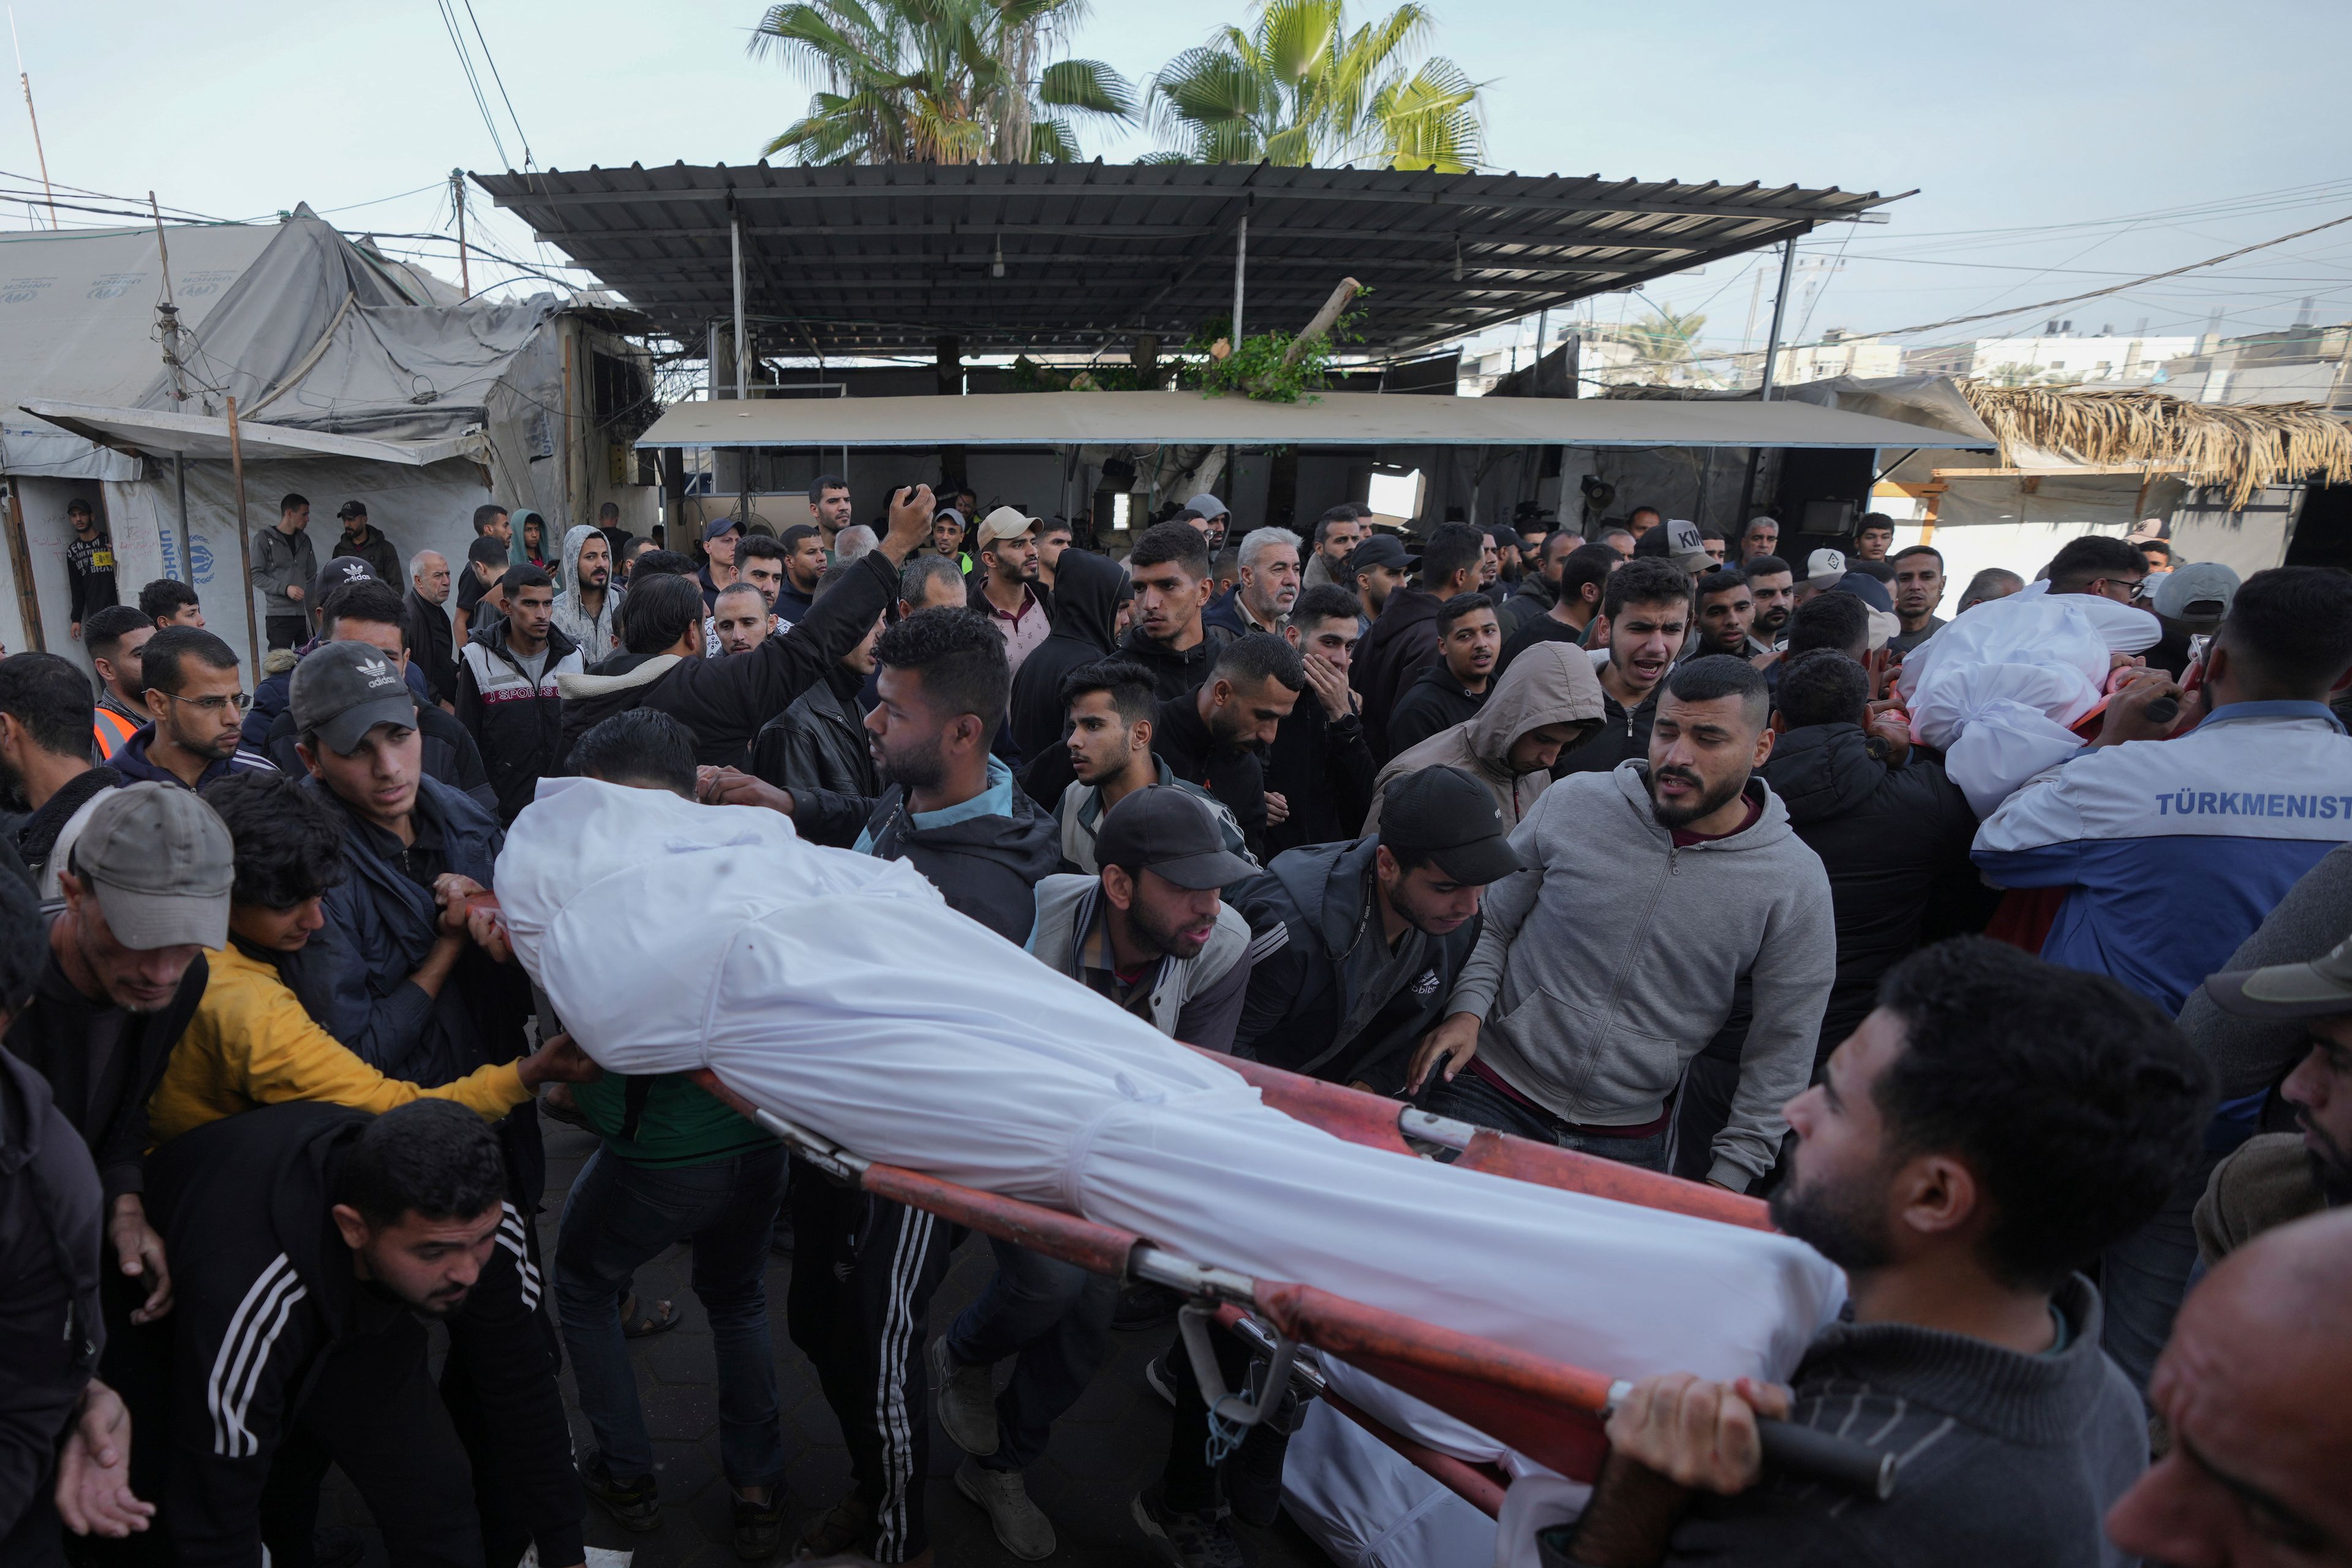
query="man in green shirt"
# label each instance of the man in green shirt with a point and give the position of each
(675, 1166)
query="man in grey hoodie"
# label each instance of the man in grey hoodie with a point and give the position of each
(588, 611)
(1609, 962)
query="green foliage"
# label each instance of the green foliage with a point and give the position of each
(1259, 367)
(1665, 339)
(1299, 88)
(946, 81)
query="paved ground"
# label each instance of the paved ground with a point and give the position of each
(1103, 1451)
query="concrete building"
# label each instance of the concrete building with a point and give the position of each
(2058, 356)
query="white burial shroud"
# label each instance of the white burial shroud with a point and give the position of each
(840, 992)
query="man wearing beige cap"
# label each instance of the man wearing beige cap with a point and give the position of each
(1006, 591)
(146, 890)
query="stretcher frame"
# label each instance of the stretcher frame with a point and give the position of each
(1547, 1410)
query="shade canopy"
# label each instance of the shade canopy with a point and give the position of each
(201, 436)
(1336, 419)
(891, 258)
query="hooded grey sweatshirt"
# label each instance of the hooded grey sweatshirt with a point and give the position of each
(1610, 962)
(1552, 683)
(597, 635)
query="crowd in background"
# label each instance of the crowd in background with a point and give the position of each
(1618, 838)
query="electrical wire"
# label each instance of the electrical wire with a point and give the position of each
(492, 61)
(466, 63)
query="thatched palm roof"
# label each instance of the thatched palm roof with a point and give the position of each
(2241, 449)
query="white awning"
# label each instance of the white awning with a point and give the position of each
(1336, 419)
(201, 435)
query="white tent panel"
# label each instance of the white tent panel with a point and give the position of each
(198, 436)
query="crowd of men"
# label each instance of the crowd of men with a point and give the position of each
(1614, 839)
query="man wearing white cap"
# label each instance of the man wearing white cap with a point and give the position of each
(146, 892)
(1007, 592)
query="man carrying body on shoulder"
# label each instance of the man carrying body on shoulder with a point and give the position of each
(1993, 1124)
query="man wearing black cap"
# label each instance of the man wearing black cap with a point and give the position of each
(1149, 933)
(1377, 568)
(720, 538)
(1327, 995)
(367, 542)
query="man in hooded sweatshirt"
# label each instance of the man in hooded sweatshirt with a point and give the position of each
(588, 611)
(1615, 957)
(1547, 703)
(1087, 591)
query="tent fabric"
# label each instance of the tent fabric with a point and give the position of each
(786, 974)
(1333, 419)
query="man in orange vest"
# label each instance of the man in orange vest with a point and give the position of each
(115, 637)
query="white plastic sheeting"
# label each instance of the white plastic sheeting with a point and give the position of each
(1997, 690)
(672, 936)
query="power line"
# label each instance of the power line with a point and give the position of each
(466, 63)
(492, 61)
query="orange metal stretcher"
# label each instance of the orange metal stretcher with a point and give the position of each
(1547, 1410)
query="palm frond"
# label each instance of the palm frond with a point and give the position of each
(1429, 121)
(1088, 87)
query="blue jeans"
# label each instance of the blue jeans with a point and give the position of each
(1471, 1099)
(1055, 1317)
(621, 1216)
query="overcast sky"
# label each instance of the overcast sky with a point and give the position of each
(2029, 127)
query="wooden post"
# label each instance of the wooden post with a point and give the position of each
(245, 540)
(20, 556)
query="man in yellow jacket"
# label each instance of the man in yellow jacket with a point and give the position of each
(252, 1042)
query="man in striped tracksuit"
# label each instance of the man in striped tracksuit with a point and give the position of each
(307, 1242)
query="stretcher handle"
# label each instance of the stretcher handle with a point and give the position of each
(1818, 1456)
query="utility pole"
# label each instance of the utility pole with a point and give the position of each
(243, 542)
(167, 322)
(458, 197)
(25, 80)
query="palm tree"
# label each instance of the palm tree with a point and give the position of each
(1664, 339)
(942, 81)
(1299, 88)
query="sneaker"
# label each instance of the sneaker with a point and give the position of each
(759, 1526)
(841, 1530)
(966, 1397)
(1024, 1531)
(1187, 1539)
(1155, 1378)
(1144, 1305)
(635, 1504)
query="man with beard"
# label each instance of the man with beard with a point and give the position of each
(1759, 539)
(1149, 933)
(1216, 736)
(1579, 579)
(1376, 569)
(195, 711)
(738, 618)
(1918, 589)
(1574, 1028)
(1336, 533)
(1647, 607)
(1773, 585)
(431, 639)
(1268, 560)
(829, 509)
(1992, 1125)
(588, 611)
(2275, 1177)
(314, 1242)
(1006, 591)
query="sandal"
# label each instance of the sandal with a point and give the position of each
(645, 1326)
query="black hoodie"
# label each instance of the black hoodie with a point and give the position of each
(50, 1326)
(1401, 645)
(1895, 842)
(243, 1207)
(1086, 607)
(1174, 672)
(36, 837)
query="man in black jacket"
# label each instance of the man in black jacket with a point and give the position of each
(1648, 607)
(1403, 641)
(432, 640)
(1216, 736)
(146, 892)
(1327, 995)
(44, 746)
(816, 750)
(1455, 686)
(315, 1238)
(1993, 1125)
(1319, 762)
(507, 689)
(725, 701)
(1173, 579)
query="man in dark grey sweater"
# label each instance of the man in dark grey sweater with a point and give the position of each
(1988, 1127)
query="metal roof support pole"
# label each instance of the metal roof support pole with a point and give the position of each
(735, 244)
(1771, 357)
(1241, 260)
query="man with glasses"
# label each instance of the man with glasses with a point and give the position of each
(2100, 563)
(196, 708)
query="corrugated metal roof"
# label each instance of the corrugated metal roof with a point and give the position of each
(891, 258)
(1336, 419)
